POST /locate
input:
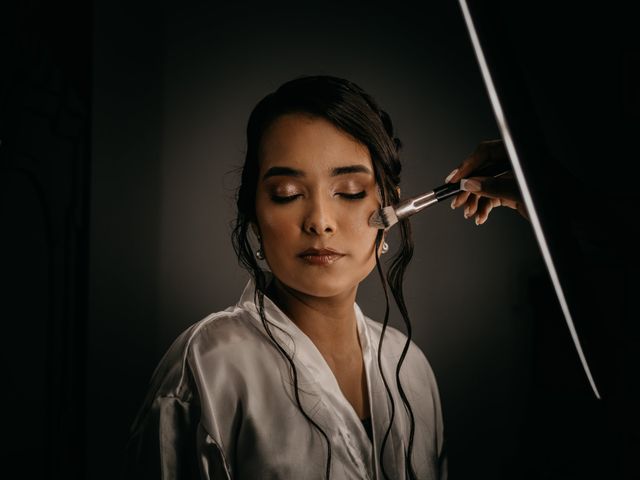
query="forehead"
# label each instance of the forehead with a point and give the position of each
(309, 143)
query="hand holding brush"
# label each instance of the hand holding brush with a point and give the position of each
(492, 185)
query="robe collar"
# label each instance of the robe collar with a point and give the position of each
(321, 395)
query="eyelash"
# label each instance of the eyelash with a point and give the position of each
(354, 196)
(346, 196)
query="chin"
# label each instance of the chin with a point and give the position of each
(321, 285)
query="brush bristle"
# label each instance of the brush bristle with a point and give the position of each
(383, 218)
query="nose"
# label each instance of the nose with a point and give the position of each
(319, 218)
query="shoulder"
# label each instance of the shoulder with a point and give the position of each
(217, 342)
(204, 358)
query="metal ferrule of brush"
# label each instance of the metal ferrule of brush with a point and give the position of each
(415, 204)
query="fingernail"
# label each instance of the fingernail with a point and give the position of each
(470, 185)
(466, 212)
(450, 176)
(453, 203)
(477, 220)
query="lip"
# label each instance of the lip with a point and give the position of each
(320, 256)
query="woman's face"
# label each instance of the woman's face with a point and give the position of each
(316, 191)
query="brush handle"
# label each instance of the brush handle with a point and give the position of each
(450, 189)
(413, 205)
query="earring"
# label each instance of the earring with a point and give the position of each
(260, 254)
(385, 247)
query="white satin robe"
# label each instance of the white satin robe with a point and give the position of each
(221, 406)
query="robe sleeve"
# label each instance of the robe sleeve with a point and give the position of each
(170, 444)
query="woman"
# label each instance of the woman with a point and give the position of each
(294, 381)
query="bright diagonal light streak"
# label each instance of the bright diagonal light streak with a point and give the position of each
(533, 216)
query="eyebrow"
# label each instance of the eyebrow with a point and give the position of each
(292, 172)
(283, 171)
(350, 169)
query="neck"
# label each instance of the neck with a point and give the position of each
(330, 322)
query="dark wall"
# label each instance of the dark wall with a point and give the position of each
(568, 81)
(45, 125)
(122, 127)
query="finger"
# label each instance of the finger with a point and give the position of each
(471, 206)
(459, 199)
(522, 210)
(472, 162)
(487, 152)
(466, 167)
(452, 175)
(515, 205)
(493, 187)
(504, 202)
(501, 187)
(485, 206)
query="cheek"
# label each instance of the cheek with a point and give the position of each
(356, 222)
(276, 225)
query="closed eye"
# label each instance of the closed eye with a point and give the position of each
(346, 196)
(353, 196)
(287, 199)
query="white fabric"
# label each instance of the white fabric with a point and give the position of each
(222, 403)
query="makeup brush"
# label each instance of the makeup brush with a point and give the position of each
(389, 216)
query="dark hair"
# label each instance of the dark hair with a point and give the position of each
(353, 111)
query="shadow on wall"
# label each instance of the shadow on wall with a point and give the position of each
(45, 119)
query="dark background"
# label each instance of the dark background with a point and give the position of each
(122, 126)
